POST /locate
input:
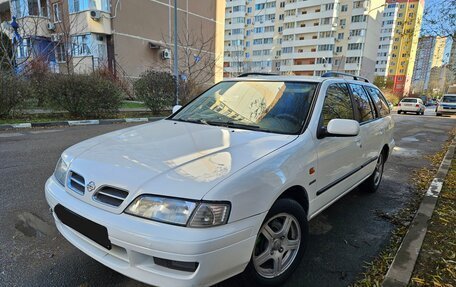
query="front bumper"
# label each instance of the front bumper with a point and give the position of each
(221, 252)
(448, 110)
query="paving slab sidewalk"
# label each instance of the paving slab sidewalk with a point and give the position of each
(401, 269)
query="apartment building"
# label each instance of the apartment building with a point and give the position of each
(399, 36)
(429, 57)
(302, 37)
(128, 37)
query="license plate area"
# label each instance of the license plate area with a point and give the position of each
(86, 227)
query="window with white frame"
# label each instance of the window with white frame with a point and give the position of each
(56, 12)
(60, 52)
(81, 45)
(23, 8)
(75, 6)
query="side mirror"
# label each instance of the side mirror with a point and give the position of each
(176, 108)
(342, 127)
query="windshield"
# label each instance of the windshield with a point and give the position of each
(279, 107)
(449, 99)
(409, 100)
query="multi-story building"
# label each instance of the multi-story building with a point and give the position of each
(302, 37)
(399, 36)
(126, 36)
(430, 57)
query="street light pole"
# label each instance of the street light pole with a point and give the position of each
(176, 72)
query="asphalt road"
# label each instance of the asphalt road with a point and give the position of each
(343, 237)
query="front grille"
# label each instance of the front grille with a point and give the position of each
(76, 182)
(110, 195)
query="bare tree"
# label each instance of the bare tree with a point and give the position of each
(198, 63)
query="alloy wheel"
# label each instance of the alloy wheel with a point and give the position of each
(277, 245)
(378, 170)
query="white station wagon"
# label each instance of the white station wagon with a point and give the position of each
(225, 185)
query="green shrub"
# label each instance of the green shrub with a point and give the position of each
(13, 92)
(83, 95)
(156, 90)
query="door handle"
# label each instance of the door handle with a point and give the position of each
(358, 143)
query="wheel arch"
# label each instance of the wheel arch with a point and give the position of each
(299, 194)
(386, 151)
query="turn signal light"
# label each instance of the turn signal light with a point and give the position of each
(417, 105)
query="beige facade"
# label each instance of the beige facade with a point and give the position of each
(127, 37)
(143, 36)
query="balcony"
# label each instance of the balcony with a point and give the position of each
(308, 42)
(308, 3)
(308, 67)
(308, 29)
(310, 16)
(316, 54)
(82, 22)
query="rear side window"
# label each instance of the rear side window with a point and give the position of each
(337, 105)
(362, 103)
(379, 101)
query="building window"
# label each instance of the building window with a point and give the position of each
(329, 6)
(57, 13)
(358, 18)
(342, 22)
(80, 45)
(355, 46)
(344, 8)
(23, 49)
(338, 49)
(327, 47)
(84, 5)
(340, 36)
(24, 8)
(60, 53)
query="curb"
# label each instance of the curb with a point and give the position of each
(77, 123)
(401, 269)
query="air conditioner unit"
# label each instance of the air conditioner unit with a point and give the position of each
(51, 26)
(166, 54)
(55, 37)
(95, 15)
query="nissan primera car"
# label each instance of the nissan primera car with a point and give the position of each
(225, 185)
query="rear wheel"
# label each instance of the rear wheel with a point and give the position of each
(372, 183)
(279, 246)
(439, 114)
(399, 112)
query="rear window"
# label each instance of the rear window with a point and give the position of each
(409, 100)
(449, 99)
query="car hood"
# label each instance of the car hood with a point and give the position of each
(170, 158)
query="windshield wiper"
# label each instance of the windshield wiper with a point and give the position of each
(192, 121)
(230, 124)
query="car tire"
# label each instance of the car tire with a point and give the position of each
(418, 113)
(438, 114)
(282, 238)
(399, 112)
(372, 183)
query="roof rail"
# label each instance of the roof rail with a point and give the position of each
(337, 74)
(256, 74)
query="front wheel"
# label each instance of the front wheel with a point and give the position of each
(399, 112)
(372, 183)
(279, 246)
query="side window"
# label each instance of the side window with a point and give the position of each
(379, 101)
(362, 103)
(337, 105)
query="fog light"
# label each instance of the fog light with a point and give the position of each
(176, 265)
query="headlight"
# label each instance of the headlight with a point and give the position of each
(60, 171)
(179, 211)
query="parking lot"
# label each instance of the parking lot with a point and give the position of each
(343, 237)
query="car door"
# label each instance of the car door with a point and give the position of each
(371, 129)
(338, 157)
